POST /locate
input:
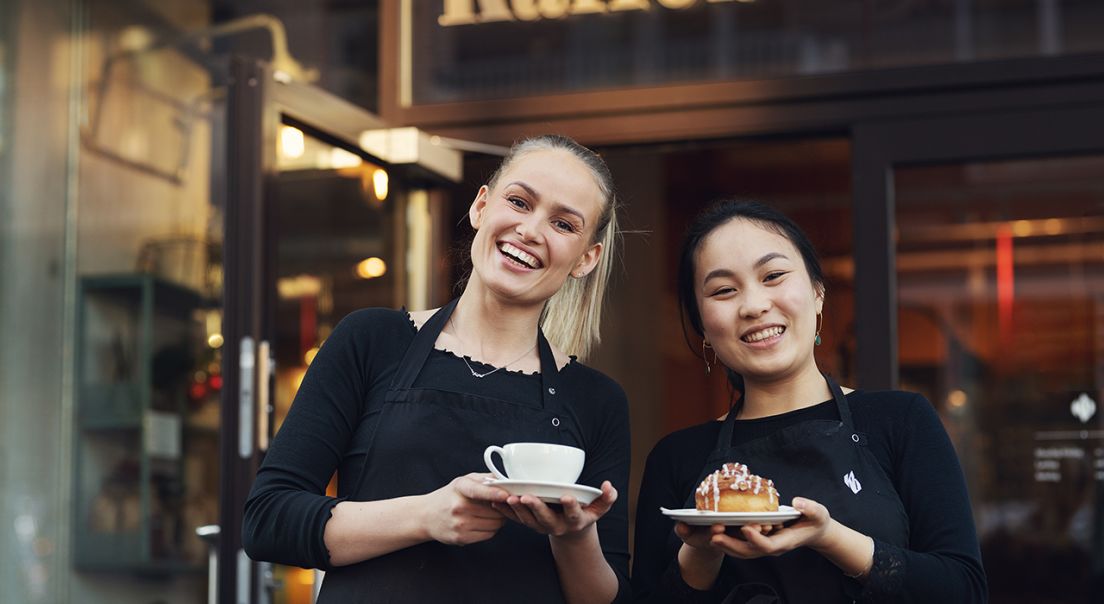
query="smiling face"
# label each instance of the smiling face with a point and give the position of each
(757, 302)
(536, 226)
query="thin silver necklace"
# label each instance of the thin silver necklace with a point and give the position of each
(475, 373)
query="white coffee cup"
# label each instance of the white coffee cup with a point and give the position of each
(541, 462)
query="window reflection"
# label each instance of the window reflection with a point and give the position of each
(1001, 291)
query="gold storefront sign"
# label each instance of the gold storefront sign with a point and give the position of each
(467, 12)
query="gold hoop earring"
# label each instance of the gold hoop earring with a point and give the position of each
(820, 323)
(705, 357)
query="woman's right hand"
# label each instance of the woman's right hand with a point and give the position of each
(460, 512)
(701, 537)
(701, 556)
(698, 537)
(699, 561)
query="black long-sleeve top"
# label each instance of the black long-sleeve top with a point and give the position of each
(287, 509)
(942, 561)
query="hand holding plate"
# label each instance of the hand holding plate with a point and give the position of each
(756, 542)
(463, 512)
(571, 519)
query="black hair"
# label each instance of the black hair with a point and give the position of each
(719, 213)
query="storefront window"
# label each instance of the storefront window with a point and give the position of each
(147, 335)
(1001, 290)
(464, 50)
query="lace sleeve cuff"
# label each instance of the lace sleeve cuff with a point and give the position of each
(886, 575)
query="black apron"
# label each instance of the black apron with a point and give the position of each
(420, 440)
(827, 461)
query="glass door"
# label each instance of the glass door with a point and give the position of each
(993, 299)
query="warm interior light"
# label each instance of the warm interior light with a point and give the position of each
(340, 158)
(135, 38)
(296, 378)
(1022, 228)
(1052, 226)
(215, 340)
(308, 357)
(956, 399)
(379, 183)
(292, 142)
(371, 268)
(299, 286)
(306, 576)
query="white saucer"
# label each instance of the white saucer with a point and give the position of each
(548, 492)
(705, 518)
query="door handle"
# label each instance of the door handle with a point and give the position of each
(266, 369)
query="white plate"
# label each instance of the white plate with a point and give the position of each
(704, 518)
(549, 492)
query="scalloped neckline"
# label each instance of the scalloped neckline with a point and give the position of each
(572, 359)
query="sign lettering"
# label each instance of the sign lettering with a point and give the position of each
(468, 12)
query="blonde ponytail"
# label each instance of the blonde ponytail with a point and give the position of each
(572, 318)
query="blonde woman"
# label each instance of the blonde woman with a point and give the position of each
(402, 405)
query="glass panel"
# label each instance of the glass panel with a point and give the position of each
(148, 316)
(1001, 287)
(463, 49)
(5, 57)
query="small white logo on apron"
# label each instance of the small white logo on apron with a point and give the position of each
(852, 482)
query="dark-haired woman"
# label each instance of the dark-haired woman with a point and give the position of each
(402, 405)
(885, 512)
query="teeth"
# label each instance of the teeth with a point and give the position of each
(769, 332)
(519, 255)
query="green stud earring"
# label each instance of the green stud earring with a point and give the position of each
(816, 341)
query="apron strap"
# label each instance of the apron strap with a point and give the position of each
(841, 404)
(418, 351)
(549, 373)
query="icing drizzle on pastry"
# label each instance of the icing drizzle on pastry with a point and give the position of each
(735, 476)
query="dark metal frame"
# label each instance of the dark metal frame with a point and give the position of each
(878, 148)
(244, 291)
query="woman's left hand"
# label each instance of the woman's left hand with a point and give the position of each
(573, 518)
(753, 542)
